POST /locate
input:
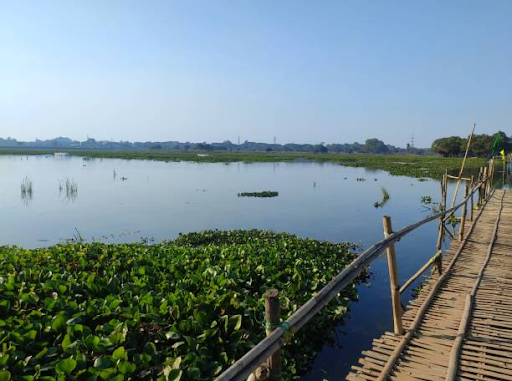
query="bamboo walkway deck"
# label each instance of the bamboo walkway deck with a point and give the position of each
(460, 325)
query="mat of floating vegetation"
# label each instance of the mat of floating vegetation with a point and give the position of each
(185, 309)
(259, 194)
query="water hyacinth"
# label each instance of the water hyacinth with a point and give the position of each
(185, 309)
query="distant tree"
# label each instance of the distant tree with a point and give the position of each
(204, 147)
(481, 145)
(375, 146)
(451, 146)
(320, 148)
(504, 143)
(355, 148)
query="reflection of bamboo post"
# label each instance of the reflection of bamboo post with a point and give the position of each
(462, 167)
(273, 315)
(439, 245)
(480, 179)
(490, 175)
(484, 184)
(463, 214)
(504, 169)
(493, 169)
(393, 279)
(472, 194)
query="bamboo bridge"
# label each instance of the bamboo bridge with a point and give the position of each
(460, 324)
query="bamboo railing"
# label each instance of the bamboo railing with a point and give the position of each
(264, 353)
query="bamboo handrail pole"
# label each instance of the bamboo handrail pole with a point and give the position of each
(466, 316)
(298, 319)
(242, 368)
(449, 232)
(388, 367)
(463, 164)
(462, 178)
(420, 271)
(393, 279)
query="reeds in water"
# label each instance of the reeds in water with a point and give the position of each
(27, 190)
(69, 189)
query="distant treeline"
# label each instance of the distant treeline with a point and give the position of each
(481, 145)
(370, 146)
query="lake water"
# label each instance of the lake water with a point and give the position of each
(124, 201)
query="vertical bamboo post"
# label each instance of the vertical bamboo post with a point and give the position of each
(504, 170)
(484, 186)
(472, 194)
(490, 175)
(440, 236)
(493, 169)
(463, 214)
(273, 316)
(393, 279)
(480, 178)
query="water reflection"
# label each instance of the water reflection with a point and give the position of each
(27, 191)
(323, 201)
(68, 190)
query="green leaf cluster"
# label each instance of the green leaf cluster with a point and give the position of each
(180, 310)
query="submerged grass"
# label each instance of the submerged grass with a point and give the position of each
(27, 187)
(27, 190)
(68, 189)
(407, 165)
(185, 309)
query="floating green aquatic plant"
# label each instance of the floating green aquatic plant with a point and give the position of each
(420, 166)
(179, 310)
(259, 194)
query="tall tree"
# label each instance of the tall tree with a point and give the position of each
(451, 146)
(375, 146)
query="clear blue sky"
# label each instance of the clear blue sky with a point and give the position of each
(305, 71)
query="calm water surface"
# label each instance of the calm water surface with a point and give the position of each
(159, 200)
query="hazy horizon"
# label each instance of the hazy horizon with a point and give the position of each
(333, 72)
(208, 142)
